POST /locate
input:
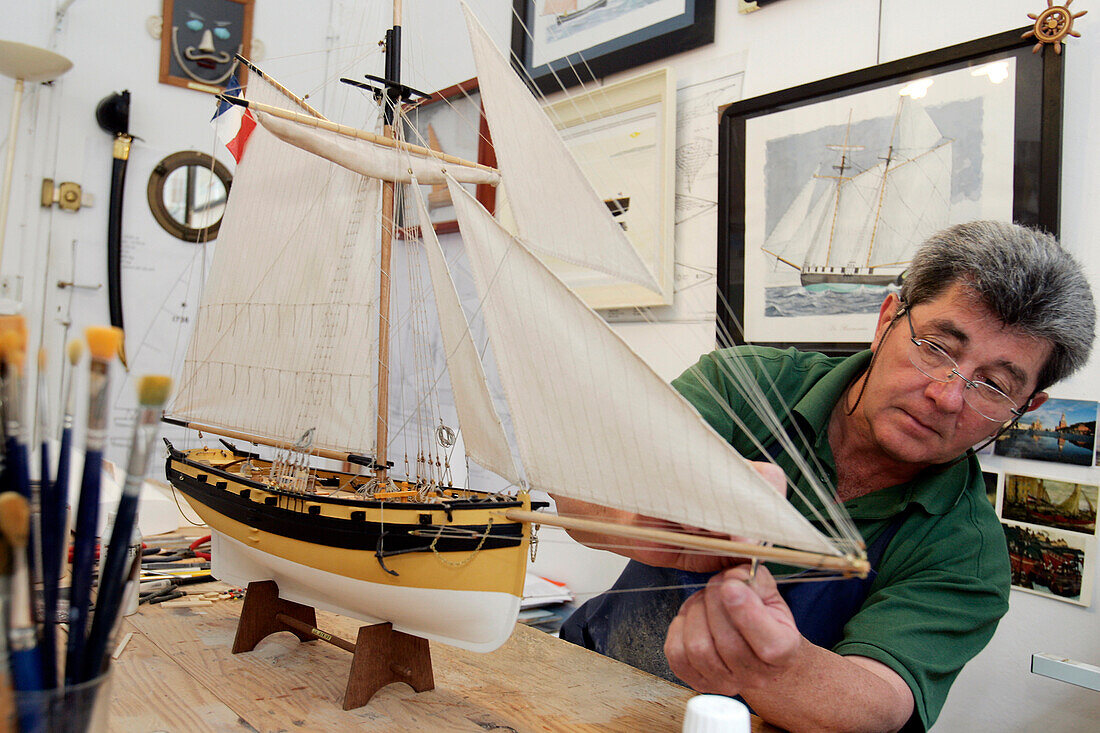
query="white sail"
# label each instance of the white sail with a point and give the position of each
(915, 204)
(790, 239)
(285, 336)
(849, 233)
(555, 207)
(368, 158)
(482, 431)
(593, 421)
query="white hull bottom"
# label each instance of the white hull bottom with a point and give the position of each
(476, 620)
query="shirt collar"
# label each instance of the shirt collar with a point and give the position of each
(936, 489)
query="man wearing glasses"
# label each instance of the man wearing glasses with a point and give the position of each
(989, 315)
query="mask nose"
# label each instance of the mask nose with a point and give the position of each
(207, 43)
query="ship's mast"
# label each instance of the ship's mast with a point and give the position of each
(390, 100)
(840, 178)
(882, 184)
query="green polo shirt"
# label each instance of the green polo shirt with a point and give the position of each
(942, 584)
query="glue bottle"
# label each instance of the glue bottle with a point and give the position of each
(716, 714)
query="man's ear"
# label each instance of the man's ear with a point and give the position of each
(886, 313)
(1037, 401)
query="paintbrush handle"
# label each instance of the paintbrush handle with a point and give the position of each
(112, 581)
(51, 527)
(87, 517)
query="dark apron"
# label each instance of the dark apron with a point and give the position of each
(630, 621)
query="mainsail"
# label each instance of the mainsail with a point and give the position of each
(284, 339)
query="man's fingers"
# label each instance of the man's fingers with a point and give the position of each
(691, 651)
(758, 615)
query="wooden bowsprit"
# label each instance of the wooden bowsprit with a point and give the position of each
(380, 655)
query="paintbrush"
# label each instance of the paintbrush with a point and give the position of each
(26, 664)
(152, 393)
(54, 514)
(48, 509)
(103, 343)
(13, 342)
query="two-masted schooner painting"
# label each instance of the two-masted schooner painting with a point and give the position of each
(840, 192)
(325, 463)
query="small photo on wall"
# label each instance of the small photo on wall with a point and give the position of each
(1051, 563)
(1050, 503)
(1063, 431)
(991, 480)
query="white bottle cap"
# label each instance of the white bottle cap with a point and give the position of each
(716, 714)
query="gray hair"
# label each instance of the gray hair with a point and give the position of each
(1023, 276)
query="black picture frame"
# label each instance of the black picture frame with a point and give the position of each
(692, 28)
(1036, 152)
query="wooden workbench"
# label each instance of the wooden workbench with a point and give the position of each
(176, 673)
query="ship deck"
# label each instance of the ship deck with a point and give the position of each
(177, 673)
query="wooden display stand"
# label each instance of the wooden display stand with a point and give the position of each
(380, 655)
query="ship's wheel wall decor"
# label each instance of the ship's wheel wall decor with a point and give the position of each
(1052, 25)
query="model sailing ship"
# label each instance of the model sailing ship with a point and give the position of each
(861, 230)
(291, 350)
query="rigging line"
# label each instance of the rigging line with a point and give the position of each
(712, 391)
(420, 333)
(474, 315)
(825, 496)
(829, 499)
(772, 422)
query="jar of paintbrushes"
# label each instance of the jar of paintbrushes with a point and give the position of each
(56, 681)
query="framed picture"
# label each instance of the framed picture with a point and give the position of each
(452, 122)
(560, 43)
(826, 189)
(1060, 430)
(1050, 562)
(623, 137)
(199, 40)
(1052, 503)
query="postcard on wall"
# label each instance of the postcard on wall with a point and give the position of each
(1050, 503)
(1052, 563)
(1063, 431)
(992, 479)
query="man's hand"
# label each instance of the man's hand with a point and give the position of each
(733, 635)
(737, 637)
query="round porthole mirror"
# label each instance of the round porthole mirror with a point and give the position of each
(187, 194)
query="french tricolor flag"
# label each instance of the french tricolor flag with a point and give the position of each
(233, 123)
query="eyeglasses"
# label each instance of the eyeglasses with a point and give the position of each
(936, 364)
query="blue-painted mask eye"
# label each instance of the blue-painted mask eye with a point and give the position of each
(194, 25)
(222, 33)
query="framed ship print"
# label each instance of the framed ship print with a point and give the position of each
(199, 41)
(560, 43)
(825, 190)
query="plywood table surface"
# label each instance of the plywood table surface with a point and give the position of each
(177, 674)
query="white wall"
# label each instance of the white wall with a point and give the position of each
(788, 43)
